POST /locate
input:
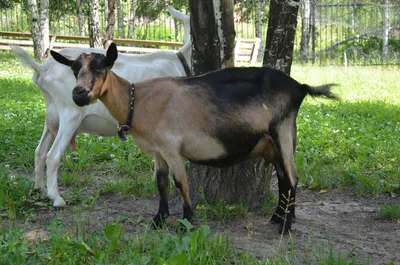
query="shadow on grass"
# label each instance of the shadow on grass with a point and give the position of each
(349, 143)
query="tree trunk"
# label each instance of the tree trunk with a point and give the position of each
(385, 48)
(313, 9)
(353, 22)
(282, 24)
(121, 33)
(204, 37)
(94, 25)
(132, 14)
(212, 31)
(39, 23)
(109, 37)
(259, 20)
(80, 18)
(305, 31)
(259, 26)
(226, 31)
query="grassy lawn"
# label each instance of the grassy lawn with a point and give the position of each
(352, 143)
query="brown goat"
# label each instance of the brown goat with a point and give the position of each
(218, 119)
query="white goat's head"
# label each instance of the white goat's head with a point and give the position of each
(91, 71)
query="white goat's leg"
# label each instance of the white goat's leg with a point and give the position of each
(67, 129)
(40, 160)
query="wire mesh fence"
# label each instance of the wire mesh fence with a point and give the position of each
(352, 32)
(357, 32)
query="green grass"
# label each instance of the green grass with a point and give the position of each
(391, 211)
(221, 211)
(345, 144)
(110, 244)
(352, 142)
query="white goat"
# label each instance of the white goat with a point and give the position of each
(65, 119)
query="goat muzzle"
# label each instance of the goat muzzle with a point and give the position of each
(80, 96)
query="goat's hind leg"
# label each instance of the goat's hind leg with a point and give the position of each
(284, 214)
(40, 160)
(284, 139)
(161, 176)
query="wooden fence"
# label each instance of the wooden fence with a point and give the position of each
(246, 50)
(61, 41)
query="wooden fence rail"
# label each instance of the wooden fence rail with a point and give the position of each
(246, 50)
(25, 41)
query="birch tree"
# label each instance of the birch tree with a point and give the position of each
(94, 25)
(121, 33)
(39, 23)
(282, 24)
(313, 7)
(259, 24)
(305, 30)
(132, 15)
(80, 18)
(212, 31)
(386, 30)
(109, 36)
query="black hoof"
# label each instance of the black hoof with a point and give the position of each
(276, 219)
(284, 231)
(286, 226)
(157, 222)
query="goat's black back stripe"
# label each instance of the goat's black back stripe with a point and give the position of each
(184, 63)
(127, 126)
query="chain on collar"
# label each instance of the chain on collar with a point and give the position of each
(122, 128)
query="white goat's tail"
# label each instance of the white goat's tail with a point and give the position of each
(26, 59)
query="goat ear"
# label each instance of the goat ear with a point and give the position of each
(61, 59)
(112, 55)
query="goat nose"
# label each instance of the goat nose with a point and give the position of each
(80, 96)
(79, 90)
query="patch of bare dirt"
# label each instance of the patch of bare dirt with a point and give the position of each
(337, 219)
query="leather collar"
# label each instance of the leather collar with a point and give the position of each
(184, 63)
(122, 128)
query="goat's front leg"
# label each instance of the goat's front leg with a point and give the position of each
(284, 140)
(177, 168)
(161, 176)
(40, 160)
(69, 123)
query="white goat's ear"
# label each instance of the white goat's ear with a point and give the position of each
(61, 59)
(112, 54)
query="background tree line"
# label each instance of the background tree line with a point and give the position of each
(326, 29)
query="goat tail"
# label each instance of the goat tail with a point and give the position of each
(320, 91)
(26, 59)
